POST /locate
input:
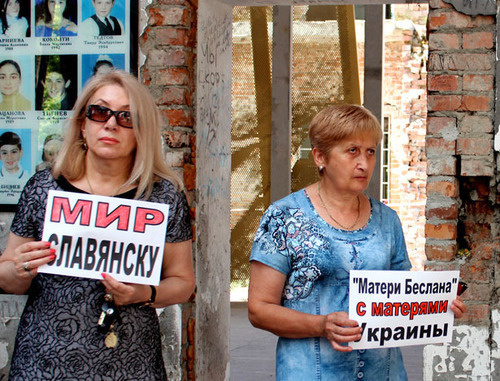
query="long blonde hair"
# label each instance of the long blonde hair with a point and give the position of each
(149, 165)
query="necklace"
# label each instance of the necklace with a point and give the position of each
(92, 190)
(333, 219)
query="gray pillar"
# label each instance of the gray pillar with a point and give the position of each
(281, 120)
(373, 89)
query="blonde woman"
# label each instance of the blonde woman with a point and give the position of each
(112, 148)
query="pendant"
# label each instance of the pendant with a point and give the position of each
(111, 340)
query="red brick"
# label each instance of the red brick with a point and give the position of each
(174, 96)
(476, 314)
(442, 18)
(441, 231)
(476, 82)
(478, 40)
(474, 123)
(475, 146)
(477, 292)
(179, 117)
(444, 41)
(176, 139)
(442, 188)
(171, 57)
(443, 83)
(475, 103)
(439, 146)
(476, 271)
(443, 166)
(173, 76)
(169, 16)
(189, 176)
(448, 212)
(443, 252)
(171, 36)
(444, 102)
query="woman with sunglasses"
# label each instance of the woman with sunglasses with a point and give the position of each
(112, 148)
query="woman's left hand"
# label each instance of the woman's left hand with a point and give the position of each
(458, 307)
(125, 293)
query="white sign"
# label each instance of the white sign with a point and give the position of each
(400, 308)
(96, 234)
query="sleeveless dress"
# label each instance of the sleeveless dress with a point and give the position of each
(57, 338)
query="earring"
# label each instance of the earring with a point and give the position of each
(321, 168)
(84, 145)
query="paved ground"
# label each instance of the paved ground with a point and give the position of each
(252, 351)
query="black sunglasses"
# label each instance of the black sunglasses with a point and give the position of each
(102, 114)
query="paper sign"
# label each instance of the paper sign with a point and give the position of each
(97, 234)
(401, 308)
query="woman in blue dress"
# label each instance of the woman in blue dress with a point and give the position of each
(54, 19)
(305, 247)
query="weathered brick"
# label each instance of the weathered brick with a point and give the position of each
(443, 83)
(176, 139)
(170, 57)
(478, 271)
(445, 166)
(460, 62)
(443, 212)
(444, 102)
(476, 123)
(444, 41)
(441, 231)
(442, 18)
(476, 166)
(445, 251)
(190, 176)
(174, 158)
(178, 117)
(476, 314)
(475, 103)
(477, 82)
(475, 146)
(174, 96)
(170, 36)
(173, 76)
(440, 146)
(441, 125)
(442, 188)
(478, 40)
(169, 16)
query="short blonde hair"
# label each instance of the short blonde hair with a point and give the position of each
(148, 164)
(337, 122)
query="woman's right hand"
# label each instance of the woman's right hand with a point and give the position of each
(29, 256)
(339, 329)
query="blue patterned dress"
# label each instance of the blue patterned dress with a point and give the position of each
(57, 337)
(316, 259)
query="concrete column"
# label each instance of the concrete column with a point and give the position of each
(374, 73)
(213, 173)
(281, 130)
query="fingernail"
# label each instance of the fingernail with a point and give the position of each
(47, 244)
(53, 251)
(52, 257)
(103, 275)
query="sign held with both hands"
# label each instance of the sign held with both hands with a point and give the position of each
(98, 234)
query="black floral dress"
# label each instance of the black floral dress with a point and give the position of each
(57, 337)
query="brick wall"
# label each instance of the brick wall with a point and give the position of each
(169, 44)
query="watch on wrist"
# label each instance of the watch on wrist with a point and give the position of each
(152, 299)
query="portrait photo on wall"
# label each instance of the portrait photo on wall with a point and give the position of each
(56, 82)
(56, 18)
(15, 163)
(15, 18)
(102, 18)
(95, 64)
(15, 83)
(51, 146)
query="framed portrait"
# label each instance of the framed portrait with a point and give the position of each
(48, 51)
